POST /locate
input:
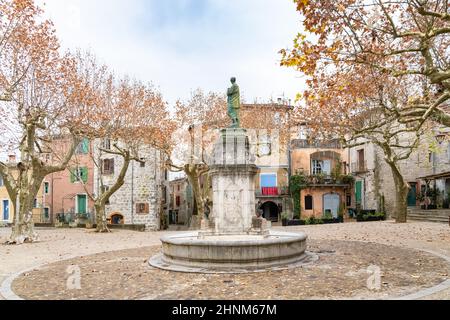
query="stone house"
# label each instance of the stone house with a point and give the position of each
(437, 174)
(141, 199)
(426, 168)
(181, 204)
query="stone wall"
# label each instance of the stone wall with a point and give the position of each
(378, 180)
(143, 185)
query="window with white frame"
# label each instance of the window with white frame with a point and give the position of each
(321, 167)
(317, 167)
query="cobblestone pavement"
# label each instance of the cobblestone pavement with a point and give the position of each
(341, 272)
(57, 245)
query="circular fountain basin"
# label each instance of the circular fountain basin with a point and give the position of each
(232, 253)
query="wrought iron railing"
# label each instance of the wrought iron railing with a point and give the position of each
(359, 167)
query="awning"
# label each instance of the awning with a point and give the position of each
(437, 176)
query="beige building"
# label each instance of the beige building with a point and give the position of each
(324, 165)
(271, 152)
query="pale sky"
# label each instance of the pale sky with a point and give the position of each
(181, 45)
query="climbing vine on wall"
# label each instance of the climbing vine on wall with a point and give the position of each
(298, 183)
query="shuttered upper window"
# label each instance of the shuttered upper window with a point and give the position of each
(79, 174)
(83, 147)
(108, 166)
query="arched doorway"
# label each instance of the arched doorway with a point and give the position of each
(117, 218)
(270, 211)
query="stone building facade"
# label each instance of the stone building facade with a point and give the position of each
(141, 199)
(181, 203)
(427, 167)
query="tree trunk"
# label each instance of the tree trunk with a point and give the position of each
(100, 217)
(194, 180)
(401, 194)
(100, 212)
(23, 227)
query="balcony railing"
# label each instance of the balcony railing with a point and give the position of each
(359, 167)
(272, 191)
(305, 144)
(327, 180)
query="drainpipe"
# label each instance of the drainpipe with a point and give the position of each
(132, 192)
(52, 206)
(43, 201)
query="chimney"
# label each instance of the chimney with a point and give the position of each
(12, 158)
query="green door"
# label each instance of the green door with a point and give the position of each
(82, 203)
(358, 192)
(412, 195)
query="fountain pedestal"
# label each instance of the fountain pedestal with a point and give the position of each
(232, 174)
(234, 239)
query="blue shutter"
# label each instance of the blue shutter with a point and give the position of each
(268, 181)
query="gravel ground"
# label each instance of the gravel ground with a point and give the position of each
(58, 244)
(341, 272)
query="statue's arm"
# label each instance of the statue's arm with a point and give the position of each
(233, 90)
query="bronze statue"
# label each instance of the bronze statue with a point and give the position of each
(234, 104)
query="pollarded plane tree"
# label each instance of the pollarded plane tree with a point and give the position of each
(363, 111)
(40, 89)
(403, 39)
(197, 121)
(128, 120)
(375, 70)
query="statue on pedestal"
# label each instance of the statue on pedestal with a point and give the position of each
(234, 104)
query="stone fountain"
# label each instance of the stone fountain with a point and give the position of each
(233, 239)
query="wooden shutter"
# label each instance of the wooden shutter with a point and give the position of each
(84, 174)
(73, 177)
(358, 192)
(142, 208)
(85, 146)
(108, 166)
(105, 168)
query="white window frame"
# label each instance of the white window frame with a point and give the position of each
(314, 167)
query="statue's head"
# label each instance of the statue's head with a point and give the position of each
(233, 80)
